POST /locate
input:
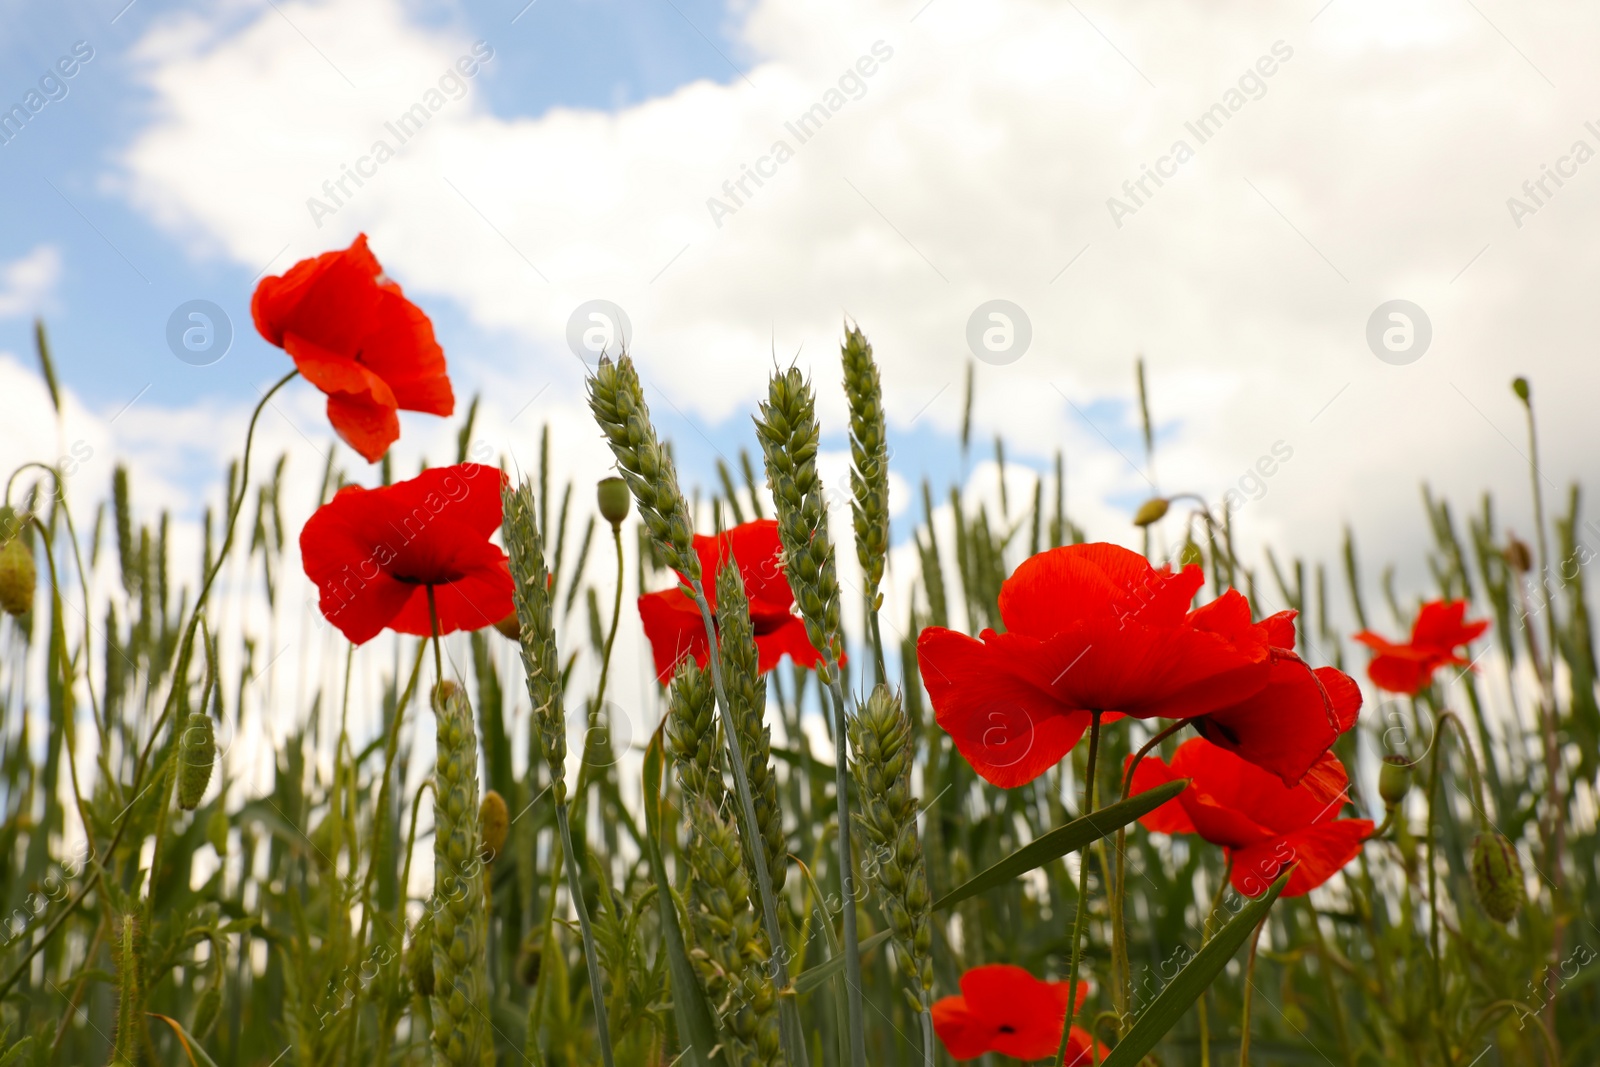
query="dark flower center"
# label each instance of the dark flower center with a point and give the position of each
(1007, 1028)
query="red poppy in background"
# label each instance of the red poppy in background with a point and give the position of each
(355, 336)
(1440, 629)
(1095, 627)
(672, 619)
(1005, 1009)
(1264, 826)
(373, 554)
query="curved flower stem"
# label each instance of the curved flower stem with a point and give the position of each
(1249, 988)
(1121, 967)
(616, 614)
(171, 703)
(1083, 894)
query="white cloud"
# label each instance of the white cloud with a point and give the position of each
(1375, 162)
(28, 282)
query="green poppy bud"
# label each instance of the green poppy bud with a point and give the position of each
(1497, 877)
(494, 822)
(217, 829)
(1519, 385)
(1394, 779)
(614, 500)
(1151, 511)
(18, 575)
(1190, 553)
(197, 754)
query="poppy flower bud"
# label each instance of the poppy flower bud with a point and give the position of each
(1394, 779)
(494, 822)
(1519, 385)
(1190, 554)
(197, 752)
(1518, 558)
(614, 499)
(1497, 877)
(510, 627)
(18, 575)
(1151, 511)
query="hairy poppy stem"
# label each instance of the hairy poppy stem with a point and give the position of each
(1121, 968)
(1083, 894)
(1249, 988)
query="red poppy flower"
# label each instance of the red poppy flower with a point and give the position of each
(355, 336)
(1440, 629)
(373, 553)
(1095, 627)
(1005, 1009)
(1264, 825)
(672, 619)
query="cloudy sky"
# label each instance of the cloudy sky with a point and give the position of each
(1234, 191)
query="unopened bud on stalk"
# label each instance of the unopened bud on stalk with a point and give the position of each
(614, 500)
(197, 752)
(1519, 385)
(1190, 553)
(1497, 877)
(18, 575)
(494, 821)
(1394, 779)
(1518, 558)
(1151, 511)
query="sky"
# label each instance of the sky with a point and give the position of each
(1244, 196)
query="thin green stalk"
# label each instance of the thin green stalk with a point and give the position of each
(1249, 988)
(616, 614)
(596, 982)
(1083, 894)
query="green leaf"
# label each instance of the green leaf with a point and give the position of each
(1181, 993)
(697, 1031)
(813, 977)
(1075, 835)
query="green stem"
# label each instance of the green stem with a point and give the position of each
(1120, 965)
(433, 623)
(793, 1040)
(852, 947)
(1249, 988)
(1083, 894)
(616, 614)
(596, 982)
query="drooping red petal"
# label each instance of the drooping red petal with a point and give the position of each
(1169, 818)
(1407, 674)
(1288, 725)
(1317, 853)
(675, 629)
(402, 350)
(1008, 729)
(1442, 625)
(1225, 785)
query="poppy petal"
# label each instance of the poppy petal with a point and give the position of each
(1288, 725)
(1075, 583)
(675, 629)
(787, 639)
(1169, 818)
(1317, 853)
(1009, 730)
